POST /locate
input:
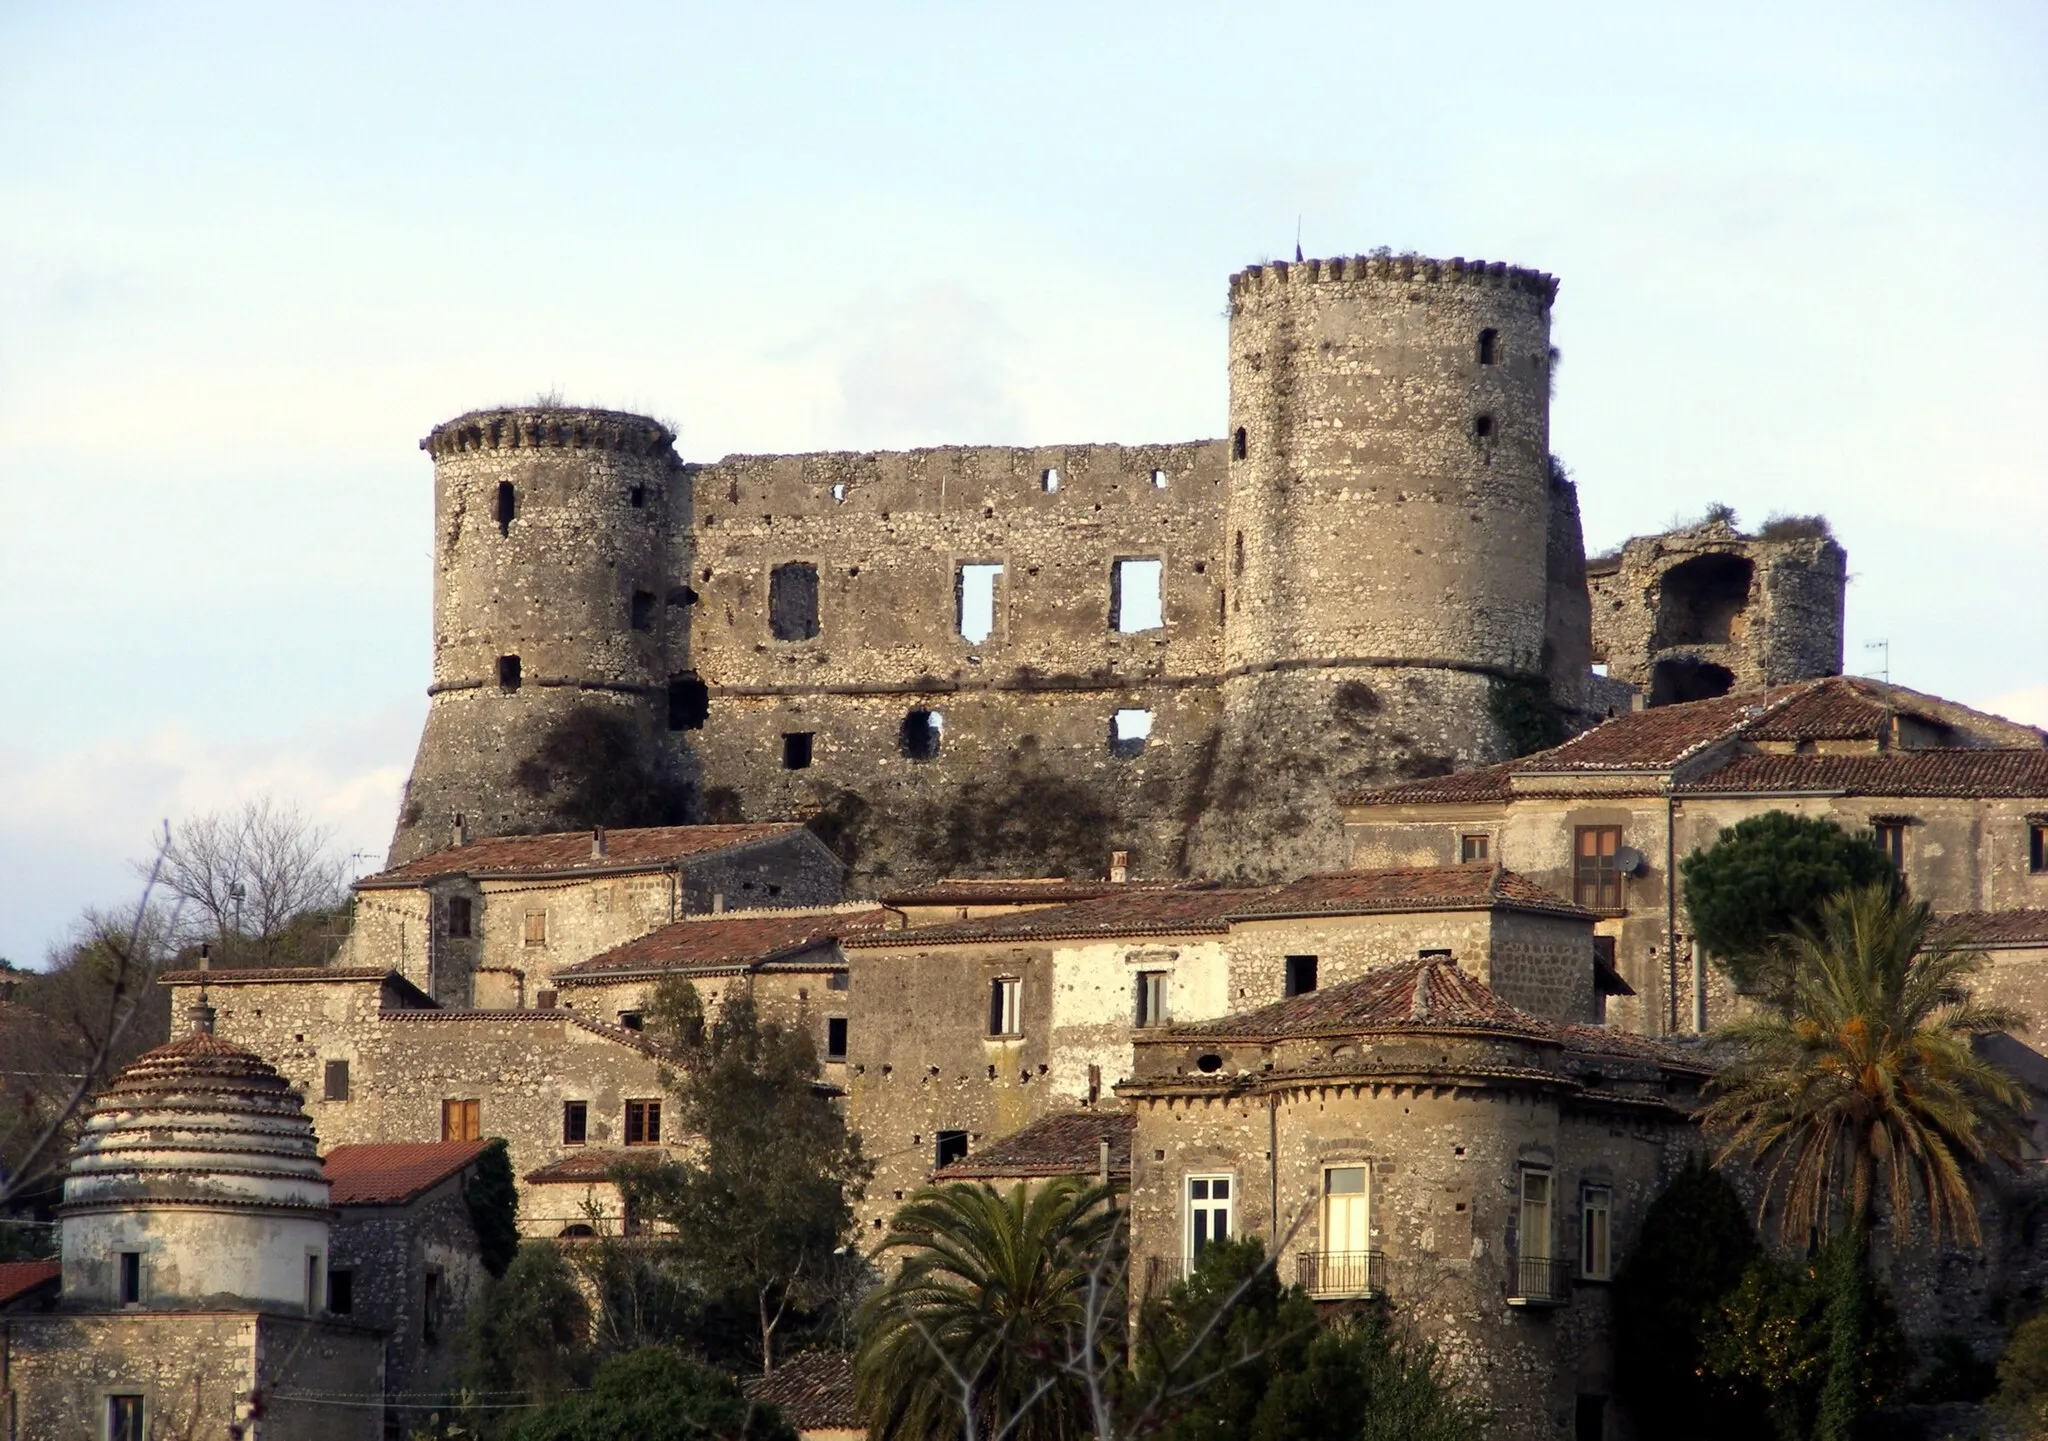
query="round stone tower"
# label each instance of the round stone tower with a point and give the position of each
(551, 619)
(1385, 536)
(197, 1179)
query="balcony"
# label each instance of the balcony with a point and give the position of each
(1341, 1275)
(1540, 1281)
(1161, 1272)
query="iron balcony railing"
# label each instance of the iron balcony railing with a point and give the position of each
(1541, 1281)
(1162, 1271)
(1341, 1273)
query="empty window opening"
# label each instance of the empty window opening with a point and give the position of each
(1891, 839)
(1674, 682)
(1049, 480)
(1596, 869)
(974, 590)
(922, 731)
(643, 1123)
(341, 1292)
(536, 932)
(835, 1038)
(793, 601)
(1159, 480)
(461, 1121)
(796, 750)
(1489, 346)
(313, 1286)
(1439, 954)
(689, 702)
(508, 672)
(952, 1146)
(2037, 846)
(1700, 601)
(633, 1020)
(1134, 596)
(839, 491)
(636, 497)
(1209, 1210)
(508, 506)
(124, 1418)
(1237, 555)
(575, 1122)
(1154, 988)
(1599, 667)
(1482, 426)
(1474, 848)
(131, 1278)
(643, 610)
(430, 1308)
(461, 917)
(1004, 1018)
(1301, 975)
(334, 1081)
(1237, 445)
(1129, 731)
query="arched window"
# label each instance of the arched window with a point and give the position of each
(1489, 346)
(1237, 444)
(508, 505)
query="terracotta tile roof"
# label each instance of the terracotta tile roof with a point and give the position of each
(273, 975)
(1663, 736)
(531, 1016)
(392, 1173)
(1963, 773)
(719, 942)
(1484, 783)
(583, 1167)
(1995, 928)
(646, 848)
(1068, 1144)
(996, 891)
(1416, 888)
(1426, 995)
(1184, 911)
(18, 1278)
(813, 1391)
(1843, 709)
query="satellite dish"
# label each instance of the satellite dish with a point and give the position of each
(1629, 861)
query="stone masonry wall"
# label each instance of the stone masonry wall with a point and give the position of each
(388, 1252)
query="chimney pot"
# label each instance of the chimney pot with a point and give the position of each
(597, 844)
(459, 832)
(1119, 867)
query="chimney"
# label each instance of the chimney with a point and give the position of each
(1119, 867)
(459, 832)
(200, 1013)
(717, 902)
(597, 844)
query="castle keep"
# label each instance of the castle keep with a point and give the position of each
(985, 660)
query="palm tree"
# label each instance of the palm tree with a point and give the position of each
(1865, 1085)
(976, 1333)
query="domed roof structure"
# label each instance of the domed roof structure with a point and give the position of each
(197, 1122)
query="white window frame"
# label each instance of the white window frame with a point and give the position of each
(1548, 1249)
(1006, 1006)
(1208, 1205)
(1365, 1190)
(1155, 998)
(1596, 1223)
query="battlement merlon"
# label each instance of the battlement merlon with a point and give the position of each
(549, 427)
(1405, 269)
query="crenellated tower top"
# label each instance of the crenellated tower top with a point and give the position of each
(549, 427)
(1408, 269)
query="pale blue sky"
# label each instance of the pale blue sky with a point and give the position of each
(250, 254)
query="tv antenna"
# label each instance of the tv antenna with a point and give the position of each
(1884, 648)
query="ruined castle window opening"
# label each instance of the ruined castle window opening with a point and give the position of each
(633, 1020)
(643, 1123)
(1049, 480)
(1489, 346)
(1476, 847)
(461, 1120)
(1700, 600)
(508, 672)
(1129, 733)
(341, 1291)
(1005, 1015)
(1154, 989)
(131, 1278)
(1596, 872)
(636, 496)
(793, 601)
(839, 491)
(689, 702)
(951, 1147)
(796, 750)
(1210, 1213)
(536, 929)
(1599, 668)
(643, 610)
(835, 1038)
(125, 1418)
(974, 599)
(1237, 555)
(1237, 444)
(1596, 1249)
(575, 1123)
(1159, 480)
(334, 1081)
(461, 916)
(2037, 847)
(508, 506)
(1482, 427)
(1134, 603)
(1299, 975)
(1676, 681)
(922, 731)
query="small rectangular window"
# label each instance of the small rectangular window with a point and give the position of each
(508, 672)
(341, 1292)
(2037, 847)
(689, 702)
(796, 750)
(1209, 1207)
(575, 1122)
(1301, 975)
(952, 1146)
(636, 496)
(643, 1123)
(1596, 874)
(1134, 603)
(975, 600)
(124, 1419)
(313, 1286)
(1129, 733)
(838, 981)
(793, 601)
(1003, 1016)
(1891, 839)
(835, 1038)
(334, 1084)
(508, 505)
(1153, 989)
(430, 1308)
(633, 1020)
(131, 1278)
(1596, 1255)
(922, 732)
(643, 610)
(536, 928)
(1474, 848)
(460, 1121)
(460, 917)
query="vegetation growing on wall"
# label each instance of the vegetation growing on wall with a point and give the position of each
(493, 1200)
(1526, 713)
(1025, 821)
(590, 770)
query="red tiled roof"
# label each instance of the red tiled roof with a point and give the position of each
(1842, 710)
(392, 1173)
(813, 1391)
(1484, 783)
(1962, 773)
(281, 975)
(1068, 1144)
(583, 1167)
(1429, 995)
(996, 891)
(18, 1278)
(645, 848)
(1416, 888)
(1184, 911)
(2026, 927)
(708, 942)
